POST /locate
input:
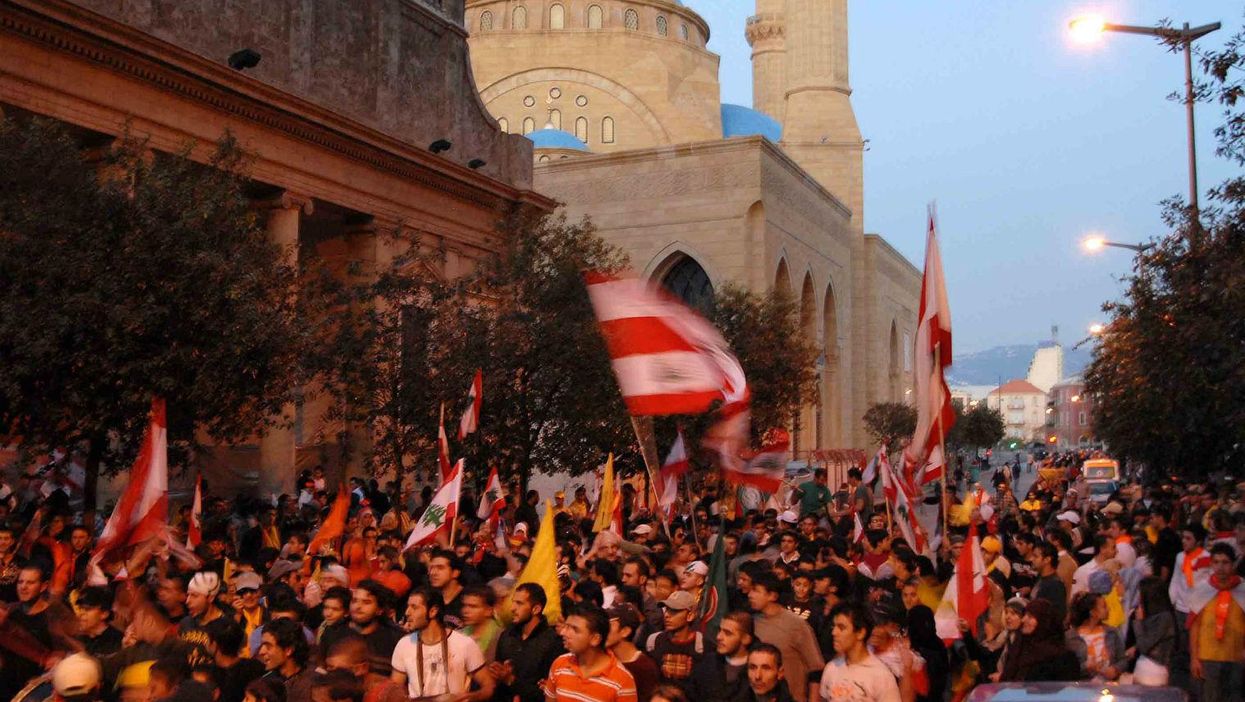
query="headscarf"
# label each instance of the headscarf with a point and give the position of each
(1046, 642)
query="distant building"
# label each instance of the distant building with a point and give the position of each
(1073, 414)
(1046, 368)
(1023, 406)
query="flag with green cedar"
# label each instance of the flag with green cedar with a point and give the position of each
(713, 601)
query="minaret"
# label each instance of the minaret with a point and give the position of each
(769, 58)
(819, 125)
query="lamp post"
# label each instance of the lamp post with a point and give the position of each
(1088, 27)
(1094, 244)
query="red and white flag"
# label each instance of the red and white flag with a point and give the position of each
(443, 448)
(932, 351)
(143, 509)
(968, 592)
(668, 477)
(194, 529)
(442, 510)
(667, 358)
(858, 528)
(493, 501)
(471, 416)
(766, 469)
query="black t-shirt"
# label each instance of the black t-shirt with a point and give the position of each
(108, 641)
(380, 645)
(234, 679)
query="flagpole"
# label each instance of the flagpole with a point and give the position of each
(644, 435)
(942, 450)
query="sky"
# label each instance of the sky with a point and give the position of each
(1027, 140)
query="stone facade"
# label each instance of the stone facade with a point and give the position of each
(339, 116)
(678, 187)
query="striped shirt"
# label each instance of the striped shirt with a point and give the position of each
(567, 683)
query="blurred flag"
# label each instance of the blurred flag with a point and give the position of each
(194, 530)
(143, 509)
(471, 416)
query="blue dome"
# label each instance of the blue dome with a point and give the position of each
(556, 139)
(738, 120)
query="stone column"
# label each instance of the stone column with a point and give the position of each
(277, 447)
(765, 34)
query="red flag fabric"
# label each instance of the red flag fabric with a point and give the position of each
(442, 510)
(667, 358)
(672, 470)
(143, 509)
(471, 416)
(334, 524)
(858, 529)
(968, 591)
(443, 448)
(766, 469)
(194, 530)
(493, 501)
(932, 351)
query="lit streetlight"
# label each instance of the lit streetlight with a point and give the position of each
(1096, 329)
(1090, 27)
(1094, 244)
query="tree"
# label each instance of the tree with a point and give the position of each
(976, 427)
(149, 277)
(1167, 376)
(887, 421)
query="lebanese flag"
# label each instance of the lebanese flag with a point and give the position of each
(934, 468)
(441, 512)
(858, 529)
(443, 448)
(194, 530)
(471, 416)
(143, 508)
(890, 482)
(871, 470)
(672, 470)
(766, 469)
(667, 358)
(932, 351)
(493, 501)
(968, 592)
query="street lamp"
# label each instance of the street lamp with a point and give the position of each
(1091, 26)
(1094, 244)
(1097, 328)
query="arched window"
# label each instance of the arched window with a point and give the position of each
(581, 129)
(486, 21)
(607, 130)
(505, 126)
(529, 125)
(683, 31)
(595, 17)
(519, 19)
(555, 118)
(687, 281)
(544, 158)
(663, 27)
(631, 20)
(557, 17)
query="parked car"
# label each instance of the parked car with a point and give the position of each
(1074, 692)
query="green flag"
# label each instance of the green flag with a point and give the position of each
(713, 602)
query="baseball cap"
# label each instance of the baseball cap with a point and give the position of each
(77, 674)
(789, 517)
(280, 569)
(991, 544)
(642, 530)
(680, 600)
(247, 581)
(1069, 516)
(697, 567)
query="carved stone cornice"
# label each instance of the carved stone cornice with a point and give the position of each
(290, 200)
(765, 27)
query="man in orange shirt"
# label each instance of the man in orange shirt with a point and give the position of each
(588, 671)
(1217, 634)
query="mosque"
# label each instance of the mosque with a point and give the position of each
(621, 100)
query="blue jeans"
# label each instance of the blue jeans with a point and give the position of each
(1221, 680)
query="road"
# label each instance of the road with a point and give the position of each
(928, 514)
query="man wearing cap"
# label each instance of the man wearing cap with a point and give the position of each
(624, 622)
(642, 533)
(692, 579)
(201, 608)
(76, 678)
(677, 649)
(251, 614)
(992, 553)
(776, 625)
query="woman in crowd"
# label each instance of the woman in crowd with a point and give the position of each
(1042, 653)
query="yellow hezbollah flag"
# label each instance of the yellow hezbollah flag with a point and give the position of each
(605, 501)
(542, 567)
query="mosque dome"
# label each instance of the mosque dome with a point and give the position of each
(738, 120)
(556, 139)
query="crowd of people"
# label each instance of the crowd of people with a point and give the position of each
(1144, 589)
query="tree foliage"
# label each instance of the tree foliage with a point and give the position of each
(977, 426)
(1168, 375)
(137, 277)
(887, 421)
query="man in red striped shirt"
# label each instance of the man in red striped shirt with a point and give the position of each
(588, 673)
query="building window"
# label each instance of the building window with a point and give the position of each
(582, 101)
(631, 20)
(529, 125)
(519, 19)
(503, 124)
(595, 17)
(1081, 418)
(555, 93)
(544, 158)
(689, 282)
(529, 101)
(555, 119)
(581, 129)
(683, 31)
(557, 17)
(486, 21)
(607, 130)
(663, 27)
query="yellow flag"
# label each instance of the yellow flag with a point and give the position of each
(542, 567)
(605, 501)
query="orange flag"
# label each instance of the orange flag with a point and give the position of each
(334, 524)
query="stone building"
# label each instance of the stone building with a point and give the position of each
(341, 113)
(1072, 410)
(622, 101)
(1023, 406)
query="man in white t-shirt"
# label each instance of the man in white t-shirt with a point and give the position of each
(419, 659)
(855, 675)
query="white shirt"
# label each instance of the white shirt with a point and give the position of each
(867, 681)
(1080, 579)
(1179, 589)
(437, 679)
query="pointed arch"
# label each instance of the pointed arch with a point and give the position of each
(518, 19)
(831, 420)
(684, 277)
(782, 277)
(805, 438)
(895, 368)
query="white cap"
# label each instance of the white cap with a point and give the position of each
(697, 567)
(789, 517)
(76, 674)
(204, 583)
(1069, 516)
(642, 530)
